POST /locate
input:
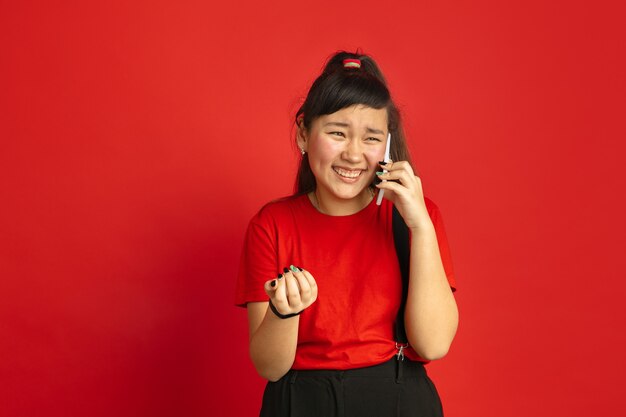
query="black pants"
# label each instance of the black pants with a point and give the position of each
(394, 388)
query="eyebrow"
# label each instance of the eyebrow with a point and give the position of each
(342, 124)
(375, 131)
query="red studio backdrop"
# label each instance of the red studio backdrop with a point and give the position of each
(138, 138)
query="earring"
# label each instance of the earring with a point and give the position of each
(302, 151)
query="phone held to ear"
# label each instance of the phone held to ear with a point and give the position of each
(379, 200)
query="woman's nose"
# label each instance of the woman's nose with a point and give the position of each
(353, 151)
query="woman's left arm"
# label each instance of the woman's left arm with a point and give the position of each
(431, 315)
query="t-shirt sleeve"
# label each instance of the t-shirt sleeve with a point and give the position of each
(258, 261)
(442, 240)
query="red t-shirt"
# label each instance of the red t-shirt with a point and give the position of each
(354, 263)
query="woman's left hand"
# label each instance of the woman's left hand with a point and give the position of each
(404, 189)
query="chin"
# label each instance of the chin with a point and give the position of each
(351, 194)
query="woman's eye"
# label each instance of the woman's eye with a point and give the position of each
(374, 139)
(337, 134)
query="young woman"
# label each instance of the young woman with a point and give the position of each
(320, 274)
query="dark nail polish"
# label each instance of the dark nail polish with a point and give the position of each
(273, 283)
(280, 276)
(285, 270)
(383, 163)
(300, 268)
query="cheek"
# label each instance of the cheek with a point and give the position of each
(375, 155)
(324, 151)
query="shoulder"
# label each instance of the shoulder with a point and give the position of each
(434, 213)
(433, 209)
(278, 209)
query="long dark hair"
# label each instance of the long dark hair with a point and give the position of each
(339, 87)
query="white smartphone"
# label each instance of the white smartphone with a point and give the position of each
(385, 159)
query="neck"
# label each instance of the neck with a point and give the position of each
(339, 207)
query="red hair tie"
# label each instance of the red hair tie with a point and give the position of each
(352, 63)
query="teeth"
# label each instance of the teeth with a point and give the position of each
(347, 174)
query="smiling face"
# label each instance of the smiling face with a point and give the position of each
(343, 150)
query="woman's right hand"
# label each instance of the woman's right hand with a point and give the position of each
(292, 291)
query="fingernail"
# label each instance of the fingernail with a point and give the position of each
(379, 172)
(273, 283)
(280, 276)
(293, 268)
(377, 180)
(285, 270)
(300, 268)
(382, 163)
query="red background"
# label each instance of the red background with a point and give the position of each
(138, 138)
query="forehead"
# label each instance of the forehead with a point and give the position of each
(357, 116)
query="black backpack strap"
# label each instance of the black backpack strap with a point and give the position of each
(401, 240)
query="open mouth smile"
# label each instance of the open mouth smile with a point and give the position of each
(348, 173)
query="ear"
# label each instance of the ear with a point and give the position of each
(302, 137)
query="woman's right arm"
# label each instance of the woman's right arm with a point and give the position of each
(273, 340)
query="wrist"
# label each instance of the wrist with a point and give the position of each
(279, 314)
(422, 228)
